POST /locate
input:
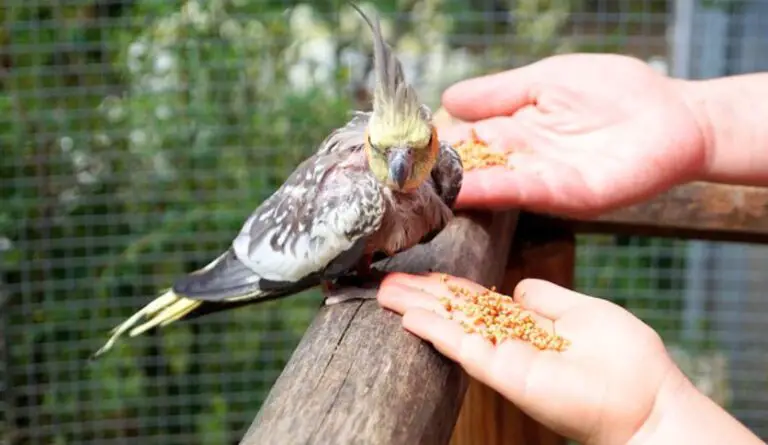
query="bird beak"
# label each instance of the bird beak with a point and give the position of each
(400, 166)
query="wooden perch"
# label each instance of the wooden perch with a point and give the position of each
(699, 210)
(358, 377)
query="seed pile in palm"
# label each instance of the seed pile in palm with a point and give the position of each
(475, 153)
(497, 317)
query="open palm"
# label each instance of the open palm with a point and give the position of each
(587, 134)
(601, 389)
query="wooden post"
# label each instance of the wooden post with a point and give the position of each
(542, 249)
(357, 377)
(698, 210)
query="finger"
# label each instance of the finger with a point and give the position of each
(533, 178)
(454, 133)
(399, 297)
(426, 282)
(436, 286)
(471, 351)
(498, 188)
(500, 133)
(540, 176)
(507, 368)
(549, 299)
(408, 279)
(532, 182)
(435, 283)
(492, 95)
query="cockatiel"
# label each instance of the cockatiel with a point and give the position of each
(379, 185)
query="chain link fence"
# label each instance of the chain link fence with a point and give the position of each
(137, 135)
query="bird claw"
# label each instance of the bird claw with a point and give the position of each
(336, 299)
(358, 283)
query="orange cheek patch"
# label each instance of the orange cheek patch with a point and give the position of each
(434, 150)
(424, 162)
(435, 147)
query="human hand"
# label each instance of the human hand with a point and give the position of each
(602, 389)
(588, 133)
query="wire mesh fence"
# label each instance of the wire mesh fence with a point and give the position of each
(137, 135)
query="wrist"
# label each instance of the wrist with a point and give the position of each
(675, 393)
(730, 115)
(682, 414)
(693, 93)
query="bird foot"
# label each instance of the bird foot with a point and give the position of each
(369, 280)
(328, 287)
(336, 299)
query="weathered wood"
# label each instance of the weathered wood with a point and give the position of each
(358, 377)
(697, 210)
(541, 249)
(488, 418)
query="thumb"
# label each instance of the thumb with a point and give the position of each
(499, 94)
(549, 299)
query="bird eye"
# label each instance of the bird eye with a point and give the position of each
(374, 148)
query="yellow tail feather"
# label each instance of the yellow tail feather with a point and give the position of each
(171, 313)
(170, 307)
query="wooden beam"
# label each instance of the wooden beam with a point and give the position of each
(698, 210)
(358, 377)
(541, 249)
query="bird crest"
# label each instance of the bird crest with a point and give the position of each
(397, 115)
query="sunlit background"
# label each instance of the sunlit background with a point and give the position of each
(137, 135)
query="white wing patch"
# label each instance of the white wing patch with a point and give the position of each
(309, 254)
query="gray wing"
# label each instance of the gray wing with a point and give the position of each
(314, 226)
(448, 174)
(349, 138)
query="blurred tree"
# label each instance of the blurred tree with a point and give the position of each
(132, 151)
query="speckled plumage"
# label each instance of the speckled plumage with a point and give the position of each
(332, 214)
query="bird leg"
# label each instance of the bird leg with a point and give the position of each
(365, 277)
(363, 267)
(328, 287)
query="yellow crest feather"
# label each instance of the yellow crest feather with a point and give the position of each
(397, 114)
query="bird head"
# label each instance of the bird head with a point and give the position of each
(401, 143)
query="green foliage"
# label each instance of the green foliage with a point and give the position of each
(539, 26)
(187, 125)
(640, 274)
(514, 32)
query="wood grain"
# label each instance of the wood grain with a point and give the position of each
(698, 210)
(357, 377)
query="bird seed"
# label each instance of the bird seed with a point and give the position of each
(475, 153)
(496, 317)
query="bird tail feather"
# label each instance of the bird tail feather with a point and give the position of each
(225, 283)
(162, 311)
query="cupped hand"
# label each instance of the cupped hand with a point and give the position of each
(588, 133)
(601, 389)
